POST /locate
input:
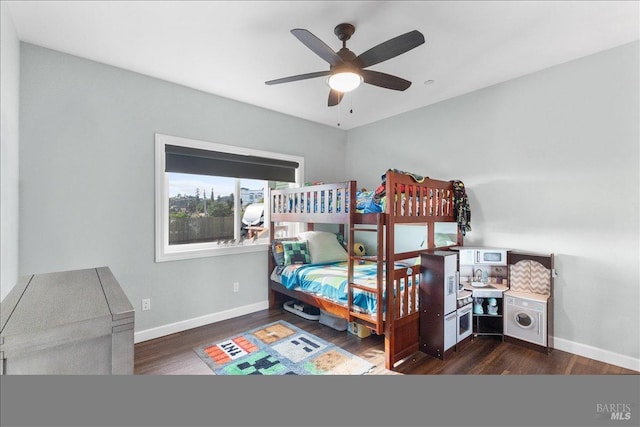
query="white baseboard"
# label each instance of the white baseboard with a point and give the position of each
(172, 328)
(595, 353)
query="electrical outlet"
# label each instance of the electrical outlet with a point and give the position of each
(146, 304)
(236, 287)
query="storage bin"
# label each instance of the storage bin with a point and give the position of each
(358, 330)
(332, 321)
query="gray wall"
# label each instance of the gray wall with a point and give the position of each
(87, 179)
(551, 164)
(9, 148)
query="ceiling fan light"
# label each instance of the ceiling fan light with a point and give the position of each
(345, 81)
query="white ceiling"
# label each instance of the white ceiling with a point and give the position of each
(230, 48)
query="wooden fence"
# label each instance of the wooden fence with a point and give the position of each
(203, 229)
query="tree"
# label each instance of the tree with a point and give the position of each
(220, 209)
(204, 201)
(178, 214)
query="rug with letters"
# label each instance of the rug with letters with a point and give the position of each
(280, 348)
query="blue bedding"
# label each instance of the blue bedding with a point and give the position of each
(330, 281)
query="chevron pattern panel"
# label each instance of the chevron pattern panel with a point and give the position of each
(540, 279)
(530, 276)
(520, 276)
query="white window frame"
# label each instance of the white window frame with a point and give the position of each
(166, 252)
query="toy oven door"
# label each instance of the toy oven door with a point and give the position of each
(464, 322)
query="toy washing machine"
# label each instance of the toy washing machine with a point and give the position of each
(525, 316)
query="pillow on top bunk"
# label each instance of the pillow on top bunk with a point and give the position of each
(324, 247)
(296, 253)
(445, 239)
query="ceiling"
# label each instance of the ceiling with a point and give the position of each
(230, 48)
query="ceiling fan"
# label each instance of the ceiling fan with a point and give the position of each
(347, 70)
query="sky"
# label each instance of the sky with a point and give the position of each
(186, 184)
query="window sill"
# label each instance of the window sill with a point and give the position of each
(206, 250)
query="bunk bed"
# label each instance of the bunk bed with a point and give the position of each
(382, 291)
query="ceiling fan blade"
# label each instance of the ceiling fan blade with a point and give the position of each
(390, 49)
(384, 80)
(298, 77)
(318, 46)
(335, 97)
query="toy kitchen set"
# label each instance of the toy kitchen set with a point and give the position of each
(468, 292)
(484, 273)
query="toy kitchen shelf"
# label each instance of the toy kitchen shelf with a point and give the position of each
(487, 319)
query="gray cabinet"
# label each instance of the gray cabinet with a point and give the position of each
(72, 322)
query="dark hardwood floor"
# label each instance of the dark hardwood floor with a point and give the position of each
(174, 355)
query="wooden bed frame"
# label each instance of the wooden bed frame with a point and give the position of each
(399, 321)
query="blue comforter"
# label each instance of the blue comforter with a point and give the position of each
(330, 281)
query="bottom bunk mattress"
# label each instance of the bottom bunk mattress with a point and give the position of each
(330, 281)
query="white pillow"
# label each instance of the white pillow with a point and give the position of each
(324, 247)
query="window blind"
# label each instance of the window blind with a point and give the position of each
(204, 162)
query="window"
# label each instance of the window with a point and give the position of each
(210, 198)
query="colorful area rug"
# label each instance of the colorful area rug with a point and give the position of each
(280, 348)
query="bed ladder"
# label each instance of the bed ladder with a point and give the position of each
(375, 321)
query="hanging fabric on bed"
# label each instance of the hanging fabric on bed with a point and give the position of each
(461, 209)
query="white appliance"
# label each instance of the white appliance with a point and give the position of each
(464, 322)
(483, 256)
(451, 280)
(450, 300)
(525, 317)
(450, 331)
